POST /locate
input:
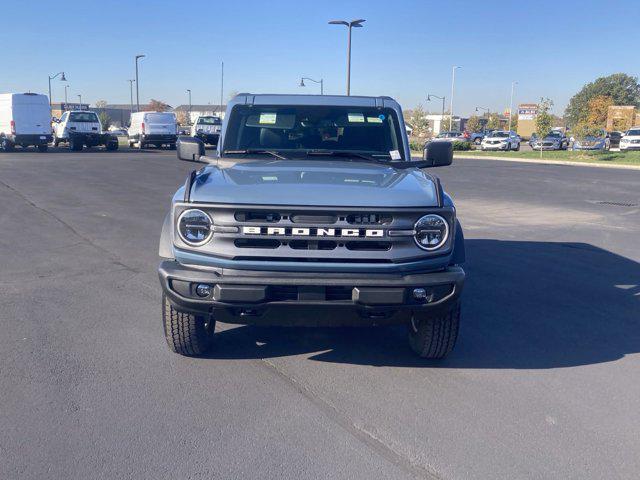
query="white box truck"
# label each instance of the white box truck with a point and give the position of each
(25, 120)
(153, 128)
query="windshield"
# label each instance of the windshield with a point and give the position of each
(554, 135)
(160, 118)
(633, 132)
(83, 117)
(315, 128)
(209, 121)
(500, 134)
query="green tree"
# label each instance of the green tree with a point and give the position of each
(105, 120)
(101, 104)
(494, 122)
(544, 120)
(419, 122)
(158, 106)
(623, 89)
(473, 124)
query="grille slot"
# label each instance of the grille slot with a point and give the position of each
(257, 243)
(368, 246)
(269, 217)
(314, 219)
(369, 219)
(313, 245)
(338, 293)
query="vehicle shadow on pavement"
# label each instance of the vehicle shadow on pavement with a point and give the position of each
(526, 305)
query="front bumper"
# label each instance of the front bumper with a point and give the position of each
(27, 140)
(495, 147)
(160, 138)
(209, 138)
(630, 146)
(259, 297)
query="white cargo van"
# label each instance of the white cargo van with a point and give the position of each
(153, 128)
(25, 120)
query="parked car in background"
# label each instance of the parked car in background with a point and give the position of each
(615, 139)
(80, 129)
(501, 140)
(556, 140)
(25, 120)
(592, 142)
(118, 131)
(153, 128)
(207, 128)
(451, 137)
(630, 140)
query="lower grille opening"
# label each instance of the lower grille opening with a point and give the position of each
(369, 219)
(257, 243)
(313, 260)
(339, 293)
(314, 219)
(368, 246)
(312, 245)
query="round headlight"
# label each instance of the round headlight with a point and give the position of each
(194, 227)
(431, 232)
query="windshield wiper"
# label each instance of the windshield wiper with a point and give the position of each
(345, 153)
(252, 151)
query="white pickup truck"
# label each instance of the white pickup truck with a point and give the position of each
(207, 128)
(80, 128)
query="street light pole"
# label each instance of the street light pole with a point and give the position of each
(349, 25)
(65, 93)
(80, 98)
(321, 82)
(429, 95)
(189, 92)
(513, 84)
(131, 95)
(453, 85)
(138, 57)
(62, 79)
(221, 85)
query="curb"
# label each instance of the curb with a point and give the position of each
(549, 162)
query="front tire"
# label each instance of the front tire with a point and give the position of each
(186, 333)
(43, 148)
(434, 336)
(75, 145)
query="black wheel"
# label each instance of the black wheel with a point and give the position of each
(477, 141)
(517, 149)
(186, 333)
(55, 142)
(111, 146)
(7, 146)
(172, 146)
(140, 144)
(43, 148)
(75, 145)
(434, 336)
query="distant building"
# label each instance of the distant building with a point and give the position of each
(196, 110)
(440, 123)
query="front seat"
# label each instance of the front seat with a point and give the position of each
(270, 138)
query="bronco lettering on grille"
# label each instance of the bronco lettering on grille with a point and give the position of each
(313, 232)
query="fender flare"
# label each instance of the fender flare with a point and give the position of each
(458, 256)
(165, 249)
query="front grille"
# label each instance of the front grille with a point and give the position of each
(309, 235)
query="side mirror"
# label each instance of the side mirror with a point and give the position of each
(437, 154)
(189, 148)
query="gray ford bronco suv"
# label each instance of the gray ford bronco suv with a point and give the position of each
(312, 212)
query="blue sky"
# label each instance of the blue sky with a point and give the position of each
(405, 50)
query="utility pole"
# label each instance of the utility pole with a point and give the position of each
(221, 85)
(453, 85)
(513, 84)
(65, 93)
(138, 57)
(131, 94)
(189, 120)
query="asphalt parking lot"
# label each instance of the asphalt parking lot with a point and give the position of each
(544, 381)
